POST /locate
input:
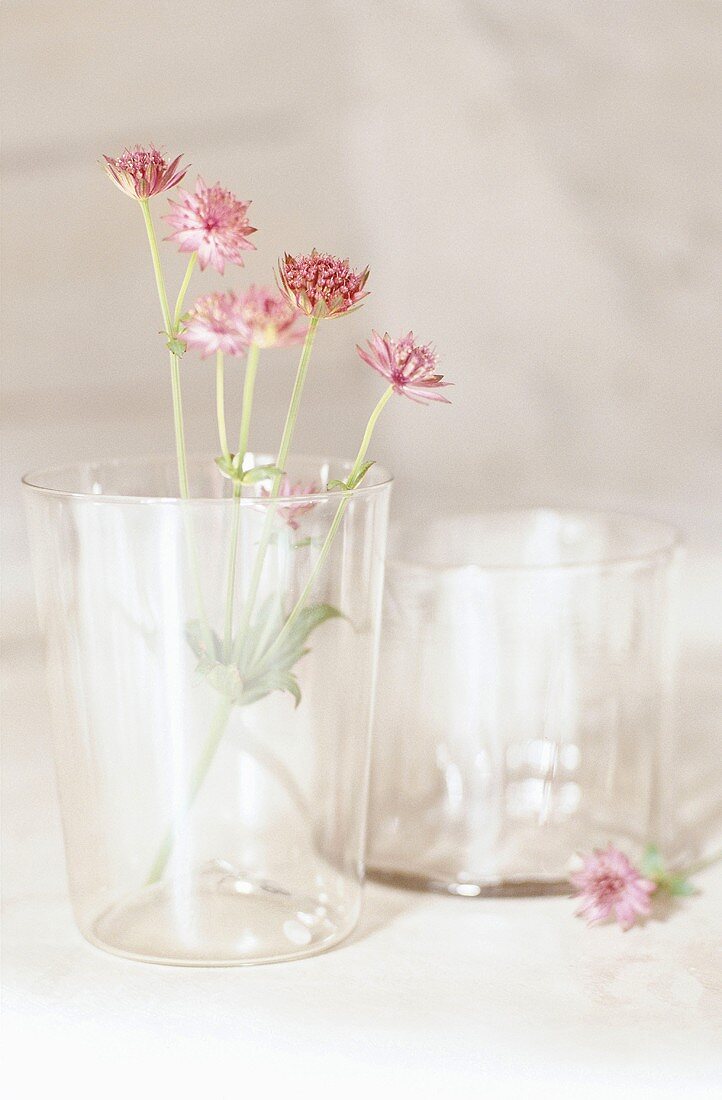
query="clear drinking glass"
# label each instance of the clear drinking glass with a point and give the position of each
(213, 772)
(524, 699)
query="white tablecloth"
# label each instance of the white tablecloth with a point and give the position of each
(513, 996)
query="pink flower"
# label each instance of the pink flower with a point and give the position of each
(214, 325)
(320, 285)
(142, 173)
(213, 223)
(607, 882)
(270, 319)
(292, 513)
(408, 366)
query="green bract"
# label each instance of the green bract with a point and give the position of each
(267, 656)
(653, 868)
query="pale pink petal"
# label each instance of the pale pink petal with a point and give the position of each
(292, 513)
(608, 882)
(213, 223)
(213, 325)
(409, 367)
(269, 318)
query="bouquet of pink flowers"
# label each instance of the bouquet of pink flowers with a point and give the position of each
(257, 649)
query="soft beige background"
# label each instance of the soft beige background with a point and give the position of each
(535, 184)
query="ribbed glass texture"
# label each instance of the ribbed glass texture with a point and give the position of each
(525, 694)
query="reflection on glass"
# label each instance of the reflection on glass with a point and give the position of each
(524, 696)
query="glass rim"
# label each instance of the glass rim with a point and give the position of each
(33, 481)
(671, 540)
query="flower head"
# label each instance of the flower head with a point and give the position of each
(270, 319)
(292, 513)
(214, 325)
(408, 366)
(321, 285)
(608, 882)
(213, 223)
(142, 173)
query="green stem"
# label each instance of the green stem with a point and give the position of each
(182, 292)
(157, 269)
(366, 441)
(174, 360)
(223, 712)
(231, 582)
(292, 414)
(180, 444)
(220, 406)
(255, 749)
(180, 448)
(198, 774)
(281, 459)
(336, 523)
(170, 330)
(248, 388)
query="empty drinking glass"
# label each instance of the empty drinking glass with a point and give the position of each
(524, 698)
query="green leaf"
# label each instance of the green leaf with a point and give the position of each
(292, 646)
(355, 481)
(200, 640)
(227, 680)
(260, 473)
(267, 625)
(311, 617)
(290, 684)
(176, 346)
(679, 886)
(262, 667)
(652, 863)
(653, 867)
(278, 680)
(227, 468)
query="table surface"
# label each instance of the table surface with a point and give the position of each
(430, 992)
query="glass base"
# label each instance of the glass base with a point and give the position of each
(224, 920)
(492, 888)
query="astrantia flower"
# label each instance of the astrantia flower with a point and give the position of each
(608, 883)
(292, 513)
(408, 366)
(321, 285)
(213, 223)
(142, 173)
(214, 325)
(270, 319)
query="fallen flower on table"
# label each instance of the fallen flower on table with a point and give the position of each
(608, 884)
